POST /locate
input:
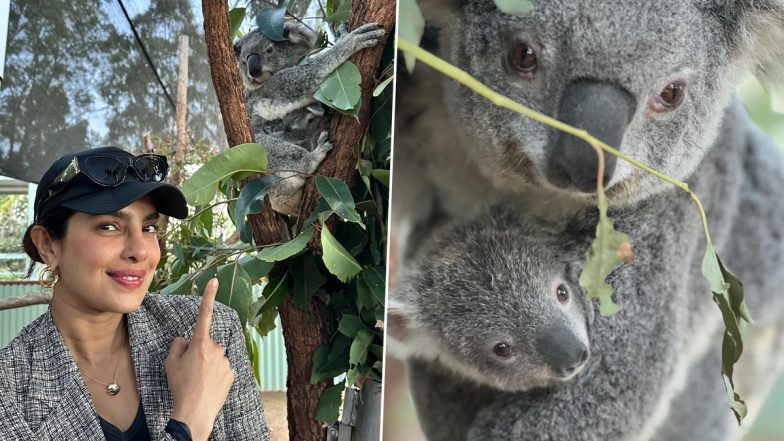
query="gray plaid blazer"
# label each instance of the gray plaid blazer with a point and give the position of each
(43, 397)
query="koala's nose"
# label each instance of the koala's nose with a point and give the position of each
(254, 65)
(602, 109)
(561, 350)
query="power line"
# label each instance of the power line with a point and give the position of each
(147, 56)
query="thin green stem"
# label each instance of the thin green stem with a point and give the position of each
(472, 83)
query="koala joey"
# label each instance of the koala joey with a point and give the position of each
(496, 300)
(280, 78)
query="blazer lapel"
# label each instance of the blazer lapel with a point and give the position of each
(57, 391)
(149, 347)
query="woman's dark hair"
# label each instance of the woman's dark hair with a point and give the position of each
(56, 222)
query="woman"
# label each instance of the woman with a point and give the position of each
(107, 360)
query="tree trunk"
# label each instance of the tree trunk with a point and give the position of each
(346, 131)
(304, 331)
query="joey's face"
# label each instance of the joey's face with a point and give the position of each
(499, 305)
(651, 80)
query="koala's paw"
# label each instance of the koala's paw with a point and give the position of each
(367, 35)
(323, 145)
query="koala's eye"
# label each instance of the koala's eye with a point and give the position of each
(670, 97)
(503, 350)
(523, 58)
(562, 293)
(269, 49)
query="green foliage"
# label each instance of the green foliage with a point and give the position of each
(270, 22)
(728, 295)
(337, 11)
(201, 188)
(338, 196)
(346, 272)
(341, 90)
(411, 26)
(514, 7)
(602, 258)
(236, 16)
(329, 403)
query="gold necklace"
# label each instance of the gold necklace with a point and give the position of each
(111, 388)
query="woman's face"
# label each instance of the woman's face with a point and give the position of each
(106, 262)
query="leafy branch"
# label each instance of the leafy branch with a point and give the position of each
(603, 256)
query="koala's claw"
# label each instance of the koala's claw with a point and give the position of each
(324, 144)
(367, 35)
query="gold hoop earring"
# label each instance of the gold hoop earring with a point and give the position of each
(48, 278)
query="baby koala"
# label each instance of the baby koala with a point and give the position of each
(495, 300)
(279, 79)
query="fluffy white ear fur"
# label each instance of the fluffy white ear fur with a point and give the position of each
(299, 34)
(762, 38)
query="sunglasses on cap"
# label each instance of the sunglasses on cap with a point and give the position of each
(110, 171)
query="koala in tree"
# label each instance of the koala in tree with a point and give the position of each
(496, 301)
(280, 78)
(656, 80)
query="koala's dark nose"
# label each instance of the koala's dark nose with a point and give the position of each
(561, 350)
(602, 109)
(254, 65)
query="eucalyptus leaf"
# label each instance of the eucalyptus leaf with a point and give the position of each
(331, 360)
(360, 347)
(266, 322)
(251, 201)
(200, 188)
(383, 85)
(271, 22)
(256, 268)
(411, 27)
(234, 289)
(602, 258)
(307, 279)
(382, 175)
(236, 15)
(337, 260)
(371, 284)
(350, 325)
(288, 249)
(274, 293)
(338, 196)
(181, 286)
(341, 90)
(329, 403)
(728, 295)
(514, 7)
(340, 12)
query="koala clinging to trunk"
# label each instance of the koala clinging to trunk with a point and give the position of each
(495, 300)
(656, 80)
(280, 78)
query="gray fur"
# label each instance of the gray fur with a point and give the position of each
(279, 88)
(647, 359)
(494, 280)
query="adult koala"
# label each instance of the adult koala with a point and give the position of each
(656, 80)
(280, 78)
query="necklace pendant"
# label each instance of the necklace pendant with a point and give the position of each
(112, 389)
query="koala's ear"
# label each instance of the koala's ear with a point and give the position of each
(399, 324)
(755, 32)
(297, 33)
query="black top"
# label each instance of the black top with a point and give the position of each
(139, 431)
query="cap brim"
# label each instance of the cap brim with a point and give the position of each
(169, 200)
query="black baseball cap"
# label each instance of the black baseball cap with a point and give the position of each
(83, 195)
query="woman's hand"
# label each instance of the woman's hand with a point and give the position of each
(198, 372)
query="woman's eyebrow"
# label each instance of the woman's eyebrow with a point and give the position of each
(127, 217)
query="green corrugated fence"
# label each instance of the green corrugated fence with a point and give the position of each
(272, 352)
